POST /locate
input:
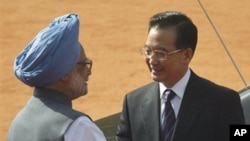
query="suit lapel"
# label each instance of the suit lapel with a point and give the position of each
(150, 112)
(191, 105)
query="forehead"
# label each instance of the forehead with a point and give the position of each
(161, 38)
(83, 55)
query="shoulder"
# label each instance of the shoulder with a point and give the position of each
(208, 86)
(153, 86)
(83, 121)
(137, 96)
(84, 129)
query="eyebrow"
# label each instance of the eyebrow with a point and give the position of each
(82, 60)
(157, 47)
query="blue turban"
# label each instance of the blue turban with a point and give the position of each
(51, 54)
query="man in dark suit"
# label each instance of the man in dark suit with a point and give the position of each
(202, 110)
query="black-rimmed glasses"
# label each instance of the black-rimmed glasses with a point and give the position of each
(87, 63)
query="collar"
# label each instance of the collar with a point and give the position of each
(45, 93)
(179, 87)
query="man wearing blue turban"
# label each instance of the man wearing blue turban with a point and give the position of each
(55, 64)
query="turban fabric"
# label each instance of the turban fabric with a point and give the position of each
(51, 54)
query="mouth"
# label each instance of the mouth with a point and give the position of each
(156, 71)
(86, 82)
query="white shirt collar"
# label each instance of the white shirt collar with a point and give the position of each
(179, 87)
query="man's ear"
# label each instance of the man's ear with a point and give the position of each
(65, 78)
(188, 55)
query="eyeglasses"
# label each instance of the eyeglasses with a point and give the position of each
(159, 54)
(87, 63)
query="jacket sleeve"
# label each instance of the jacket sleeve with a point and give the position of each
(231, 113)
(124, 130)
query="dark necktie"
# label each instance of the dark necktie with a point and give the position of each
(168, 116)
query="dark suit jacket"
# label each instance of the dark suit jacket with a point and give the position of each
(205, 114)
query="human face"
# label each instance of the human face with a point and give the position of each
(79, 77)
(170, 70)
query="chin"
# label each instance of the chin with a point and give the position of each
(155, 78)
(84, 93)
(84, 90)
